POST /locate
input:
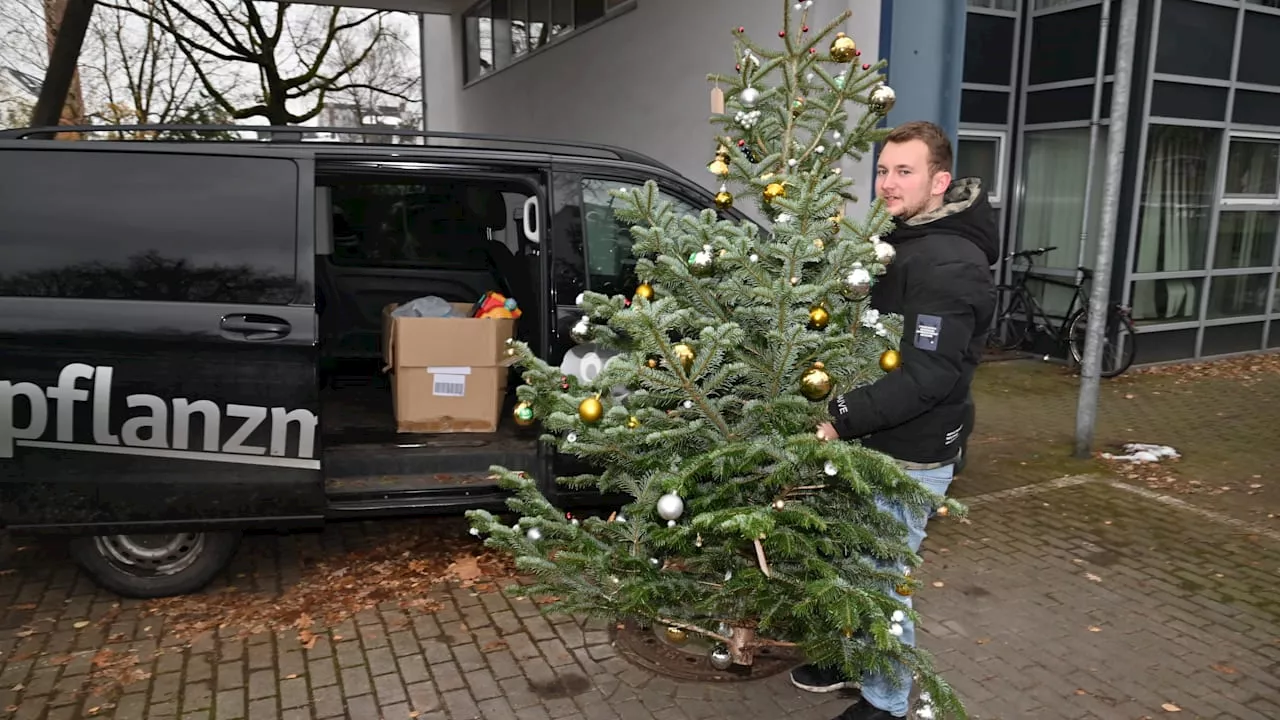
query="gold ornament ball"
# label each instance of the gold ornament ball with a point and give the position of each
(818, 318)
(652, 362)
(943, 511)
(523, 414)
(815, 384)
(890, 360)
(719, 167)
(685, 354)
(774, 190)
(724, 200)
(882, 99)
(904, 590)
(676, 636)
(590, 410)
(779, 504)
(633, 422)
(644, 290)
(843, 48)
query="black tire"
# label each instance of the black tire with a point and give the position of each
(157, 565)
(1012, 325)
(1119, 330)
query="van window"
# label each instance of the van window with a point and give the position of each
(610, 262)
(148, 226)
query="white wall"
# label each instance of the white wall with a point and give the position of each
(638, 80)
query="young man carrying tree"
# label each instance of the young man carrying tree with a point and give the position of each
(945, 239)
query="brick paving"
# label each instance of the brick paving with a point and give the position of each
(1075, 598)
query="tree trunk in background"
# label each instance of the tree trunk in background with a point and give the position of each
(73, 108)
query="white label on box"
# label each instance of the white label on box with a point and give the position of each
(449, 381)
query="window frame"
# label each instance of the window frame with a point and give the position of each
(1246, 201)
(995, 193)
(612, 10)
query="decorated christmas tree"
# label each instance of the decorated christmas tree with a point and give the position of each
(743, 526)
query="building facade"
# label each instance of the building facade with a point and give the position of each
(1196, 237)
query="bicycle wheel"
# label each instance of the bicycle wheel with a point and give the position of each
(1011, 327)
(1118, 341)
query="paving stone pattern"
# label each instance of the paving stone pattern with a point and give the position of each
(1083, 599)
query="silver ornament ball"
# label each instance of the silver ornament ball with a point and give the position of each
(534, 534)
(720, 658)
(882, 99)
(749, 97)
(670, 506)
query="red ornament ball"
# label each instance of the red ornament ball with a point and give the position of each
(741, 142)
(782, 33)
(857, 53)
(738, 67)
(804, 29)
(866, 66)
(813, 50)
(741, 29)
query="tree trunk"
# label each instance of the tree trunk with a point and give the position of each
(73, 108)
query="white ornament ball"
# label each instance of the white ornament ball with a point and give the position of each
(749, 97)
(895, 630)
(720, 658)
(898, 616)
(475, 531)
(655, 562)
(670, 506)
(792, 162)
(830, 468)
(574, 522)
(671, 523)
(884, 252)
(578, 301)
(571, 437)
(754, 258)
(534, 534)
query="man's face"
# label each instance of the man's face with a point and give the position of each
(904, 182)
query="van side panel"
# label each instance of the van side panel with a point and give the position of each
(157, 346)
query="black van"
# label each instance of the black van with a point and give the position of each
(190, 329)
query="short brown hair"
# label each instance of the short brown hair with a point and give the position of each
(934, 137)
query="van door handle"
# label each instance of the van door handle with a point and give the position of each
(254, 327)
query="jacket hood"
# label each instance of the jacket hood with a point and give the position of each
(965, 212)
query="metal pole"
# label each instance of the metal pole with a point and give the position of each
(1094, 122)
(1087, 409)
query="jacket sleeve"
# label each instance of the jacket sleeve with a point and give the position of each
(937, 327)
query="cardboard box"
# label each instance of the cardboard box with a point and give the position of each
(449, 375)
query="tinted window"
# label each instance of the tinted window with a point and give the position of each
(988, 49)
(141, 226)
(610, 264)
(440, 225)
(1064, 45)
(1209, 29)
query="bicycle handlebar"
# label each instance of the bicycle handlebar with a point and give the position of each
(1028, 254)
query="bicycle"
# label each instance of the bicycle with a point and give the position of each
(1019, 314)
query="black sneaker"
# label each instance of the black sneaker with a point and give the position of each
(812, 678)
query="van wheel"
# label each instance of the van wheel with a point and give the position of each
(158, 565)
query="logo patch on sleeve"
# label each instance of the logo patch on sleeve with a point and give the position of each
(928, 328)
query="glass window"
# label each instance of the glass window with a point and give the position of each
(539, 23)
(1177, 198)
(1064, 45)
(1056, 168)
(478, 27)
(439, 225)
(980, 157)
(1259, 38)
(988, 49)
(994, 4)
(989, 107)
(1166, 301)
(561, 16)
(610, 264)
(1253, 168)
(1238, 295)
(1210, 29)
(519, 27)
(1245, 239)
(1224, 339)
(148, 226)
(586, 11)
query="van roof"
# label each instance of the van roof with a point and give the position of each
(311, 135)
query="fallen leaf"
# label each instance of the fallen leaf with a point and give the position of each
(1081, 691)
(1094, 628)
(414, 714)
(1224, 669)
(291, 676)
(1170, 707)
(94, 710)
(23, 606)
(81, 624)
(466, 568)
(493, 646)
(939, 583)
(983, 641)
(1093, 577)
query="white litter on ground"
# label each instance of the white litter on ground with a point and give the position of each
(1144, 453)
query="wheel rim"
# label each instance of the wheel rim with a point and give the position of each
(151, 555)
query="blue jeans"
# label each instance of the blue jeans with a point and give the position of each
(879, 690)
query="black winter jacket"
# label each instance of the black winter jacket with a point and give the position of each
(941, 283)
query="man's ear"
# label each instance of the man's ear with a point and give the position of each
(941, 181)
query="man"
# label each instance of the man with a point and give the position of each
(940, 281)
